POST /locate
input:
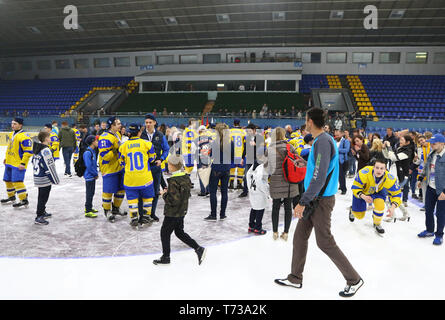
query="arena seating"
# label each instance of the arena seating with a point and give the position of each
(235, 101)
(174, 102)
(50, 96)
(393, 96)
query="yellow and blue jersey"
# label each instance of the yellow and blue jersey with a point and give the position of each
(238, 136)
(19, 149)
(54, 146)
(188, 136)
(135, 155)
(365, 182)
(109, 153)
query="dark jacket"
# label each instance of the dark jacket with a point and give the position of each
(221, 158)
(177, 196)
(403, 157)
(392, 140)
(67, 137)
(279, 187)
(362, 157)
(159, 142)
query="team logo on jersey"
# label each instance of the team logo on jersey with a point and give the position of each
(365, 171)
(390, 176)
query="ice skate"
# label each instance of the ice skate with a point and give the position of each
(162, 261)
(10, 200)
(22, 204)
(405, 216)
(117, 211)
(145, 220)
(379, 230)
(351, 215)
(201, 253)
(134, 223)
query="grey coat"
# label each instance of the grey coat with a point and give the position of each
(279, 188)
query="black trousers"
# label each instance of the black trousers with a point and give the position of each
(342, 175)
(256, 219)
(42, 200)
(287, 213)
(175, 224)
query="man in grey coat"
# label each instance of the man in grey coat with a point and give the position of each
(68, 142)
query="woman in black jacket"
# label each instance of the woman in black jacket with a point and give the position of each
(402, 157)
(221, 153)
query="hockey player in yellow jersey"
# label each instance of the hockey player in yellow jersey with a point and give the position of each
(18, 153)
(372, 185)
(78, 138)
(54, 145)
(135, 155)
(113, 191)
(188, 137)
(238, 136)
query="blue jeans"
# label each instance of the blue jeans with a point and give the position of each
(90, 190)
(413, 181)
(67, 155)
(215, 177)
(431, 203)
(352, 166)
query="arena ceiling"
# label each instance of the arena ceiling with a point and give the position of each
(35, 27)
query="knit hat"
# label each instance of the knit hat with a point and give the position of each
(236, 122)
(308, 138)
(110, 121)
(251, 126)
(19, 120)
(90, 139)
(134, 128)
(150, 116)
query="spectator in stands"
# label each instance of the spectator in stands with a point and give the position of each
(241, 87)
(360, 151)
(344, 147)
(280, 190)
(68, 142)
(164, 112)
(154, 112)
(221, 152)
(254, 114)
(284, 113)
(25, 113)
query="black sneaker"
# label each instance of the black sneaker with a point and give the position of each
(201, 194)
(40, 220)
(349, 291)
(243, 195)
(162, 261)
(23, 203)
(201, 253)
(210, 218)
(10, 200)
(154, 217)
(224, 217)
(287, 283)
(231, 185)
(239, 186)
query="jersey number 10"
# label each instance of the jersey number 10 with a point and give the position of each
(136, 161)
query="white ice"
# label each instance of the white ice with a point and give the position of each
(398, 266)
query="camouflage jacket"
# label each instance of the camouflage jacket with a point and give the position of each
(177, 196)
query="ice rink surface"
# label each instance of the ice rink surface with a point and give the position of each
(79, 258)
